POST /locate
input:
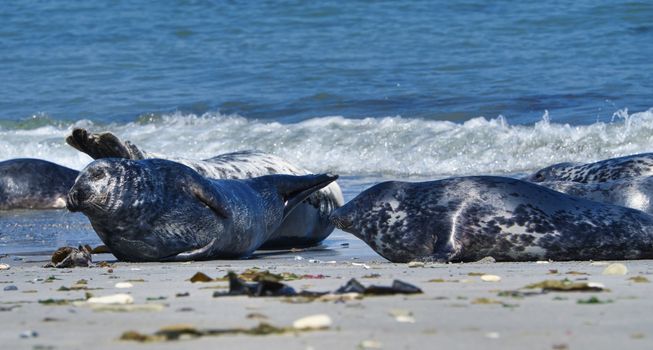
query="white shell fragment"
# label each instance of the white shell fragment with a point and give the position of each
(615, 269)
(112, 299)
(491, 278)
(403, 316)
(415, 264)
(319, 321)
(4, 267)
(123, 285)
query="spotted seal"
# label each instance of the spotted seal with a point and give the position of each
(159, 210)
(636, 192)
(469, 218)
(27, 183)
(307, 225)
(601, 171)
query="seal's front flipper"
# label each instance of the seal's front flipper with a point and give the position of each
(195, 254)
(294, 189)
(211, 198)
(102, 145)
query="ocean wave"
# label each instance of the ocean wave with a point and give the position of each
(388, 146)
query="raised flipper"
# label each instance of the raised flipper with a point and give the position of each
(103, 145)
(294, 189)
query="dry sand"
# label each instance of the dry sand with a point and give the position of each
(458, 310)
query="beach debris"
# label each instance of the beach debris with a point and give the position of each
(151, 307)
(598, 263)
(616, 269)
(123, 285)
(566, 285)
(593, 300)
(552, 272)
(200, 277)
(10, 288)
(51, 301)
(397, 287)
(639, 279)
(111, 299)
(313, 322)
(29, 334)
(256, 316)
(542, 262)
(370, 344)
(485, 301)
(490, 278)
(271, 288)
(262, 288)
(179, 332)
(476, 274)
(372, 275)
(402, 316)
(416, 264)
(493, 335)
(577, 273)
(181, 295)
(4, 267)
(297, 258)
(67, 257)
(365, 266)
(560, 346)
(156, 298)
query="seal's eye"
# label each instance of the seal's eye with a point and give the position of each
(96, 174)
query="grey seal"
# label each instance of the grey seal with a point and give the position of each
(27, 183)
(159, 210)
(469, 218)
(307, 225)
(636, 192)
(601, 171)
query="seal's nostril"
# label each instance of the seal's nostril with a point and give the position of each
(73, 200)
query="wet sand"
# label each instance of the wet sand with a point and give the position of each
(458, 310)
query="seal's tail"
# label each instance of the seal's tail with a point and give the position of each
(103, 145)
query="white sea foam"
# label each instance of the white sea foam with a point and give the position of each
(391, 146)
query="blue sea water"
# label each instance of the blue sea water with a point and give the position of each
(374, 89)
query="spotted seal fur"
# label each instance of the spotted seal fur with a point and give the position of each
(308, 224)
(27, 183)
(469, 218)
(601, 171)
(159, 210)
(636, 192)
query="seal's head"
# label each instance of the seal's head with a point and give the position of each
(383, 217)
(554, 172)
(103, 186)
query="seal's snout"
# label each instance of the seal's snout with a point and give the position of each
(340, 221)
(74, 199)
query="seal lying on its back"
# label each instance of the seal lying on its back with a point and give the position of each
(469, 218)
(27, 183)
(308, 224)
(601, 171)
(159, 210)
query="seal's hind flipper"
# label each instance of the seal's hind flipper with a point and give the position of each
(294, 189)
(102, 145)
(195, 254)
(211, 198)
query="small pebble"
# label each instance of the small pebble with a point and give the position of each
(29, 334)
(370, 344)
(615, 269)
(4, 267)
(10, 288)
(491, 278)
(319, 321)
(112, 299)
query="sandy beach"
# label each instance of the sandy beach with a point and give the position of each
(462, 306)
